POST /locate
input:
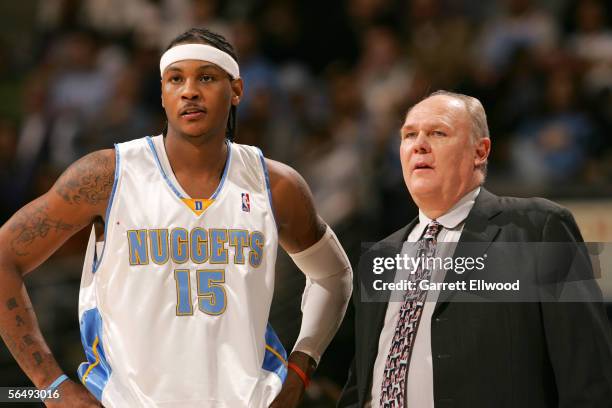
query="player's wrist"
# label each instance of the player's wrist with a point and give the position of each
(305, 362)
(55, 385)
(301, 367)
(42, 379)
(303, 377)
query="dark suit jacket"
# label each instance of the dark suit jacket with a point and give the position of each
(502, 354)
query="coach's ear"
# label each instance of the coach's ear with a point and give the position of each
(481, 152)
(237, 90)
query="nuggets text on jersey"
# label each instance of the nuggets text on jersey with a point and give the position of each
(199, 245)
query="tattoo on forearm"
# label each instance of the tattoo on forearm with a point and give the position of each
(33, 223)
(89, 180)
(10, 343)
(37, 358)
(21, 345)
(11, 304)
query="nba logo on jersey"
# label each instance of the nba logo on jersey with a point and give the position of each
(198, 205)
(246, 202)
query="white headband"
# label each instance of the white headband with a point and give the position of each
(200, 52)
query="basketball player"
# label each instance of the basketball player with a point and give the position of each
(175, 297)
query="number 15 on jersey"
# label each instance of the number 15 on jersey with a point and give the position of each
(212, 297)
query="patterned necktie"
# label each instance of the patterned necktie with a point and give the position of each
(393, 391)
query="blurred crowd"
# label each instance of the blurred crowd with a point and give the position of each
(327, 84)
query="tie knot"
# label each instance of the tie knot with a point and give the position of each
(432, 231)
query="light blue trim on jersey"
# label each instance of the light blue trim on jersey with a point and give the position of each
(267, 177)
(173, 187)
(98, 259)
(225, 170)
(94, 373)
(161, 169)
(271, 361)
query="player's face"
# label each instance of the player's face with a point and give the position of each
(438, 154)
(197, 96)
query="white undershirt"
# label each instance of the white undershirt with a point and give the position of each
(420, 372)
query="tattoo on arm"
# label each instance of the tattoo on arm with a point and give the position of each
(11, 304)
(32, 224)
(37, 358)
(21, 342)
(89, 180)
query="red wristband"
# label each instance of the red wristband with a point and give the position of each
(300, 373)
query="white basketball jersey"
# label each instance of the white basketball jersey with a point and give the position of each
(174, 308)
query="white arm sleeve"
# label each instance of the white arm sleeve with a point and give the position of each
(329, 284)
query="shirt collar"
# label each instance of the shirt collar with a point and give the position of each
(456, 215)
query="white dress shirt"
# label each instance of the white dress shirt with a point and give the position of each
(420, 372)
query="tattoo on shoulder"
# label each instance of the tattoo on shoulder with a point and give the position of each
(30, 224)
(89, 180)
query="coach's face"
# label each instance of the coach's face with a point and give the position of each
(439, 156)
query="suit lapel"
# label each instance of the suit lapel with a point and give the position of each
(478, 229)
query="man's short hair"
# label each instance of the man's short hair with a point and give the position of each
(478, 117)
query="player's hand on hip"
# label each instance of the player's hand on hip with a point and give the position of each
(75, 395)
(291, 394)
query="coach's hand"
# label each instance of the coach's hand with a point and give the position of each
(293, 388)
(73, 394)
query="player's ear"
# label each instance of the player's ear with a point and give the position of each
(237, 90)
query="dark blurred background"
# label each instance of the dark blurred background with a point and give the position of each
(327, 86)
